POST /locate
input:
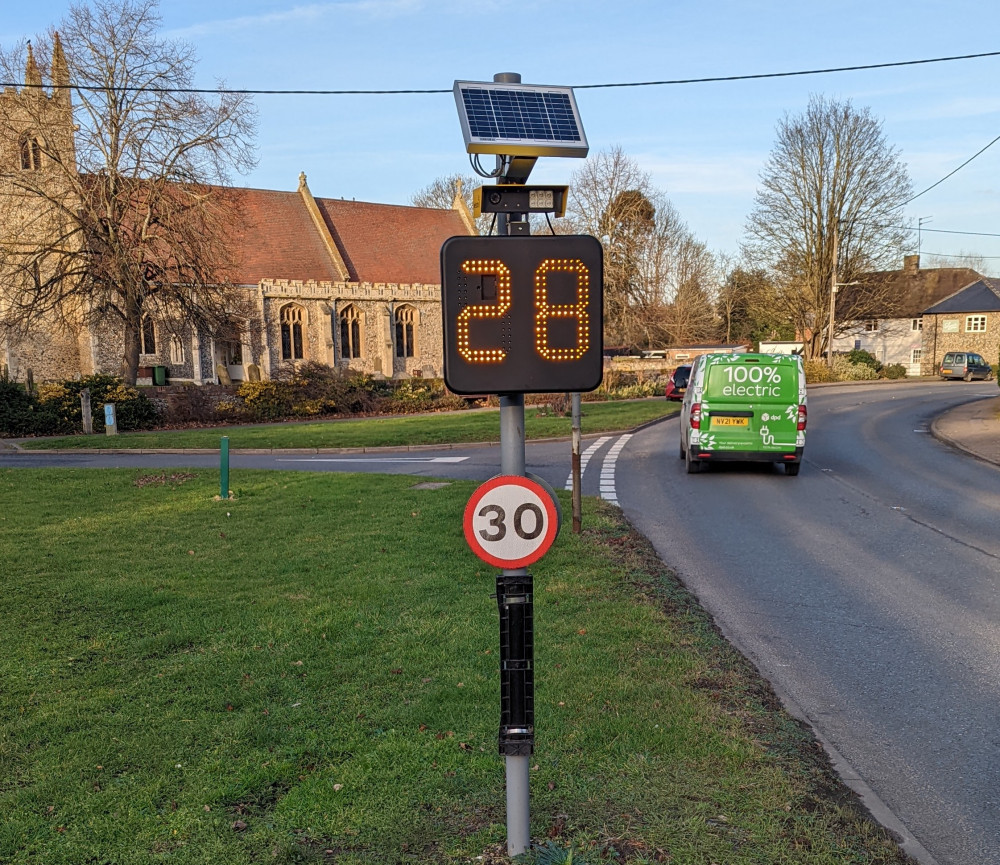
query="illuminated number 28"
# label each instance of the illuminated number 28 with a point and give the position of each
(544, 311)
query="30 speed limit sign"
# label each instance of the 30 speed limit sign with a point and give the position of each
(510, 521)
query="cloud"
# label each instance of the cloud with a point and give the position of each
(304, 14)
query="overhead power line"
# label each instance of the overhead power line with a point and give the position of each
(407, 92)
(949, 174)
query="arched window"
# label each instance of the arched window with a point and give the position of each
(406, 321)
(148, 333)
(350, 332)
(292, 317)
(31, 153)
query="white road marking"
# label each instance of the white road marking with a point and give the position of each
(608, 469)
(585, 458)
(373, 460)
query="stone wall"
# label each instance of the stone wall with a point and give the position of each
(947, 332)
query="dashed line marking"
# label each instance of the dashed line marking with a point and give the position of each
(608, 492)
(585, 458)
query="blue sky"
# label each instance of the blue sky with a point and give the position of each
(703, 144)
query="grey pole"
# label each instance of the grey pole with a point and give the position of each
(577, 491)
(518, 768)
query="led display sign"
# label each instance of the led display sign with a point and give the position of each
(522, 314)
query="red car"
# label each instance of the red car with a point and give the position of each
(678, 383)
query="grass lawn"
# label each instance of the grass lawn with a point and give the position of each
(307, 673)
(433, 429)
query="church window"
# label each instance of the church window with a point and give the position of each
(177, 355)
(31, 153)
(406, 318)
(350, 332)
(292, 317)
(148, 334)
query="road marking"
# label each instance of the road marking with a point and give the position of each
(585, 458)
(373, 460)
(608, 469)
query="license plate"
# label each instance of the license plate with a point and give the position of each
(730, 421)
(946, 372)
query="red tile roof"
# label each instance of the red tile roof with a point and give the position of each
(390, 243)
(278, 239)
(378, 242)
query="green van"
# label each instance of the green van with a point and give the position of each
(744, 407)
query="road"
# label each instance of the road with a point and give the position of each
(865, 589)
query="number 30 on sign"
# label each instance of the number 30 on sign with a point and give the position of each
(522, 314)
(510, 521)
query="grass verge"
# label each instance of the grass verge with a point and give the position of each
(444, 428)
(308, 674)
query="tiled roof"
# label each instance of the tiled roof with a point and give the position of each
(912, 291)
(390, 243)
(278, 240)
(981, 296)
(378, 242)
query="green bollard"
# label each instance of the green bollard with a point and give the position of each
(224, 468)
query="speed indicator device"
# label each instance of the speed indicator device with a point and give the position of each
(522, 314)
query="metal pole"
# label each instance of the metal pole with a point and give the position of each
(518, 766)
(577, 491)
(833, 298)
(224, 468)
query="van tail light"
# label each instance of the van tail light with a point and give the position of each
(696, 415)
(802, 418)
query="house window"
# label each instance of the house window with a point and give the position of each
(148, 333)
(176, 351)
(871, 326)
(350, 332)
(915, 355)
(292, 317)
(975, 324)
(406, 317)
(916, 324)
(31, 154)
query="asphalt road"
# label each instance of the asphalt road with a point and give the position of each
(865, 589)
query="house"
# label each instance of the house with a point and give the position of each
(967, 320)
(345, 283)
(897, 336)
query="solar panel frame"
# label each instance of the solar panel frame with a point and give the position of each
(520, 119)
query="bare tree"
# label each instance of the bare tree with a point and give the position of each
(652, 264)
(441, 193)
(828, 202)
(746, 306)
(126, 216)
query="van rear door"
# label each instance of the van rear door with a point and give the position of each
(751, 403)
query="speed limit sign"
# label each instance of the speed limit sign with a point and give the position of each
(510, 521)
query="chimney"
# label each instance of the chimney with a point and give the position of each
(911, 264)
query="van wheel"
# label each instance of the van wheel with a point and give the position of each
(989, 376)
(692, 466)
(683, 452)
(967, 377)
(792, 469)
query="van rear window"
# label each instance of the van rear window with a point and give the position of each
(749, 380)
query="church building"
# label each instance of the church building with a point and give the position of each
(345, 283)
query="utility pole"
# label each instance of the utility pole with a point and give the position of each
(833, 297)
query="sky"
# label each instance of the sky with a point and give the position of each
(705, 145)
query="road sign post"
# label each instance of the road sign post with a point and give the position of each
(521, 314)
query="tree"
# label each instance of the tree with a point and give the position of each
(828, 203)
(441, 193)
(129, 217)
(746, 307)
(657, 278)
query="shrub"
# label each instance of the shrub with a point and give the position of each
(844, 370)
(894, 370)
(817, 370)
(866, 358)
(16, 406)
(263, 400)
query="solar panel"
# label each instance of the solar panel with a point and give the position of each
(519, 119)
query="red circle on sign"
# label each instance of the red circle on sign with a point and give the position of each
(510, 521)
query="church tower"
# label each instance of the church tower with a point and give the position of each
(38, 182)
